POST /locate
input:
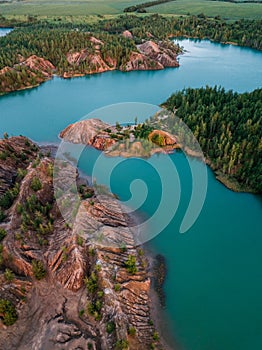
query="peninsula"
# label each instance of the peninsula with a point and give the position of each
(58, 288)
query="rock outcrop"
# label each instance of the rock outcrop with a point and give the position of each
(34, 70)
(15, 153)
(39, 64)
(162, 138)
(88, 132)
(117, 142)
(28, 73)
(165, 53)
(149, 56)
(70, 284)
(127, 34)
(139, 61)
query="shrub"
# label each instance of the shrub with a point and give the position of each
(21, 173)
(140, 252)
(81, 312)
(155, 336)
(100, 294)
(94, 309)
(36, 184)
(131, 264)
(121, 344)
(110, 327)
(2, 234)
(3, 155)
(91, 283)
(8, 197)
(9, 275)
(50, 170)
(8, 312)
(2, 215)
(132, 331)
(80, 240)
(38, 269)
(117, 287)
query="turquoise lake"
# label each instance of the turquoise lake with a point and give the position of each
(5, 31)
(214, 281)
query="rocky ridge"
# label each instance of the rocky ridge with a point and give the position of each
(117, 140)
(31, 71)
(80, 286)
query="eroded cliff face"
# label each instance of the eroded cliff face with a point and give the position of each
(29, 72)
(117, 142)
(163, 52)
(74, 286)
(33, 70)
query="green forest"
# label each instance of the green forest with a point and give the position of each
(53, 40)
(228, 127)
(142, 7)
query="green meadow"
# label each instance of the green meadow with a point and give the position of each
(110, 7)
(211, 8)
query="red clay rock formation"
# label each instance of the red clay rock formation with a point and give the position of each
(35, 70)
(55, 313)
(164, 52)
(84, 131)
(39, 64)
(162, 138)
(127, 34)
(139, 61)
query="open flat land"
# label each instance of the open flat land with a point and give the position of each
(114, 7)
(211, 8)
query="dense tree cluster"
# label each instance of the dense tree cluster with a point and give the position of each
(141, 7)
(8, 312)
(243, 32)
(228, 127)
(54, 40)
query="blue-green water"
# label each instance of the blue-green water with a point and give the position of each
(214, 281)
(5, 31)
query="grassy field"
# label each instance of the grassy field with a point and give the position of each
(113, 7)
(210, 8)
(65, 7)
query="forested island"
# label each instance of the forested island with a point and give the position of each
(36, 50)
(228, 127)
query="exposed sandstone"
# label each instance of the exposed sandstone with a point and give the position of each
(39, 64)
(83, 131)
(162, 138)
(15, 153)
(30, 72)
(139, 61)
(50, 312)
(127, 34)
(163, 52)
(107, 138)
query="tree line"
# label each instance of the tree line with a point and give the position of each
(54, 40)
(228, 127)
(142, 7)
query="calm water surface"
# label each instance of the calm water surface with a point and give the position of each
(4, 31)
(214, 282)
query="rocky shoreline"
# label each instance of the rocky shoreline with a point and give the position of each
(32, 71)
(140, 140)
(69, 287)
